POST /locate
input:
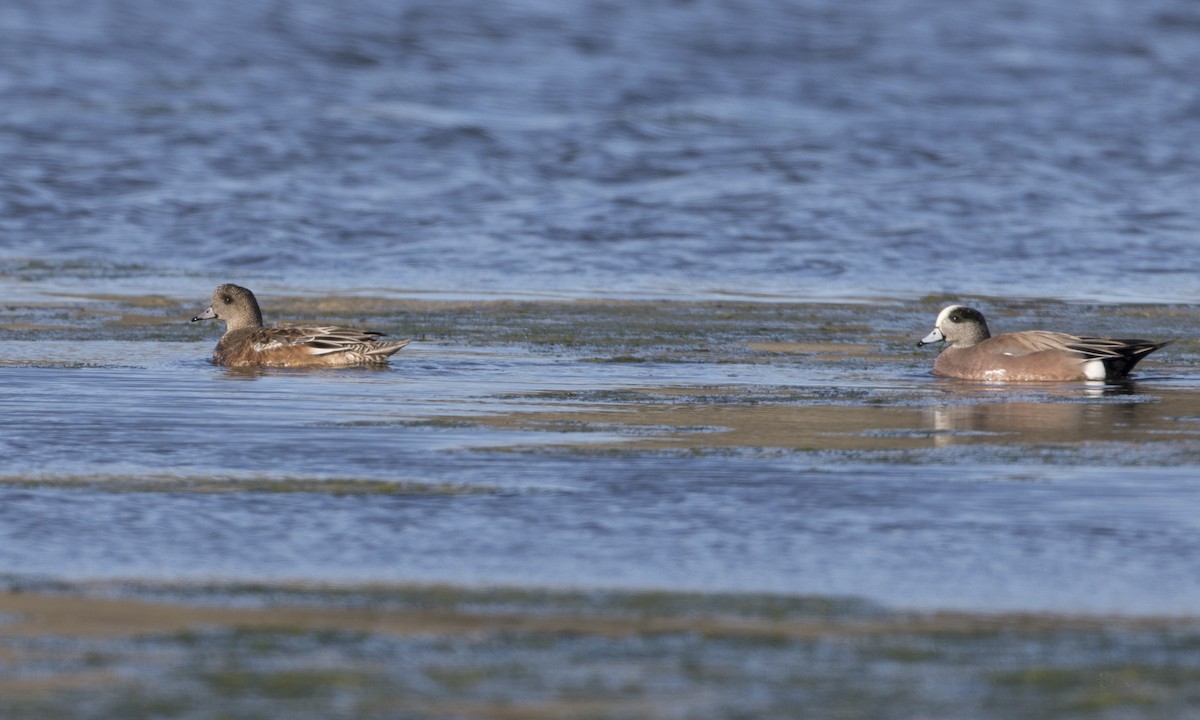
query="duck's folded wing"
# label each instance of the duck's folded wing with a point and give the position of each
(1104, 348)
(318, 340)
(331, 338)
(1086, 348)
(1028, 342)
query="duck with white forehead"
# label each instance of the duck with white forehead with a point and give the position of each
(972, 353)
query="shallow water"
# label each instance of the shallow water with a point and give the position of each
(566, 207)
(826, 465)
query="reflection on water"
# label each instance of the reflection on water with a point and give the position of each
(1070, 416)
(1086, 414)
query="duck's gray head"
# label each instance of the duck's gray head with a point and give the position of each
(235, 305)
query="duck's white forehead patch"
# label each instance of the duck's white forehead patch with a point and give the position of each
(946, 313)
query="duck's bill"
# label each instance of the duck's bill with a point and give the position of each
(935, 336)
(206, 315)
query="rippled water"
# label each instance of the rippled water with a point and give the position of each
(544, 465)
(808, 149)
(879, 152)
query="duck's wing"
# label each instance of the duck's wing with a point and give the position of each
(1028, 342)
(328, 339)
(1106, 348)
(1086, 348)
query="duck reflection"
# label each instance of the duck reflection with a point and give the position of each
(1079, 414)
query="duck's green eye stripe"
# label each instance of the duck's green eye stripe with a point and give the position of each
(967, 315)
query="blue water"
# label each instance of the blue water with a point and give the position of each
(799, 149)
(877, 151)
(1095, 513)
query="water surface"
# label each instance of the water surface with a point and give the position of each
(567, 207)
(805, 149)
(668, 457)
(663, 445)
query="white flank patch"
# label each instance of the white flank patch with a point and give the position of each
(994, 375)
(1094, 370)
(259, 347)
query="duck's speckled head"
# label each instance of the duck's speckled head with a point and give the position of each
(958, 326)
(235, 305)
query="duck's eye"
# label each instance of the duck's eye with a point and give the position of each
(955, 318)
(226, 299)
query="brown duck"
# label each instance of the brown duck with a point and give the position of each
(247, 343)
(1028, 356)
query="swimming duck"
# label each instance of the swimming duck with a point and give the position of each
(1030, 355)
(248, 343)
